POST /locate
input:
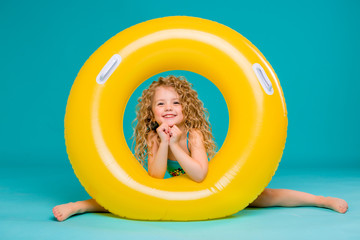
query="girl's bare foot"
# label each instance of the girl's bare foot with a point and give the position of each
(64, 211)
(336, 204)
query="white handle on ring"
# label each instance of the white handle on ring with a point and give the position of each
(108, 69)
(263, 79)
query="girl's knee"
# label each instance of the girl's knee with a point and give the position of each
(267, 193)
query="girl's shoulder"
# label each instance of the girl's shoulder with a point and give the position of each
(195, 131)
(151, 136)
(195, 134)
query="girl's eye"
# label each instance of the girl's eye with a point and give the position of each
(160, 104)
(176, 102)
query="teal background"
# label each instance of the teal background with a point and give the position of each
(313, 47)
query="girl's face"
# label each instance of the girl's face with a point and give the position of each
(166, 106)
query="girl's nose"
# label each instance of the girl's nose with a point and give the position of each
(168, 107)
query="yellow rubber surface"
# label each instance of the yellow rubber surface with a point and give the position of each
(240, 170)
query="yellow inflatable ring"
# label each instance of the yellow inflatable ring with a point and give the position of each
(241, 169)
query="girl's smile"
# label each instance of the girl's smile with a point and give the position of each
(169, 116)
(167, 107)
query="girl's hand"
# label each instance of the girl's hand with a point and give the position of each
(175, 134)
(163, 132)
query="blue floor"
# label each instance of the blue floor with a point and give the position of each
(27, 196)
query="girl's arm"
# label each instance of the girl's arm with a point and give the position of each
(196, 165)
(157, 159)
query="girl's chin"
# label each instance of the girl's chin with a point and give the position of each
(171, 122)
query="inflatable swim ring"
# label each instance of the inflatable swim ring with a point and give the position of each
(241, 169)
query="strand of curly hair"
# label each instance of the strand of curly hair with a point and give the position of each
(195, 115)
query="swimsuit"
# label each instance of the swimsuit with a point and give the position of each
(173, 167)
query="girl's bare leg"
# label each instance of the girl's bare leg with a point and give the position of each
(290, 198)
(64, 211)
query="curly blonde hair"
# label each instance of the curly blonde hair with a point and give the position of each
(195, 115)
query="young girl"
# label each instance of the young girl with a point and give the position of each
(174, 135)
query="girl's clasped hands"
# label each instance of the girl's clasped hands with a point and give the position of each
(169, 134)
